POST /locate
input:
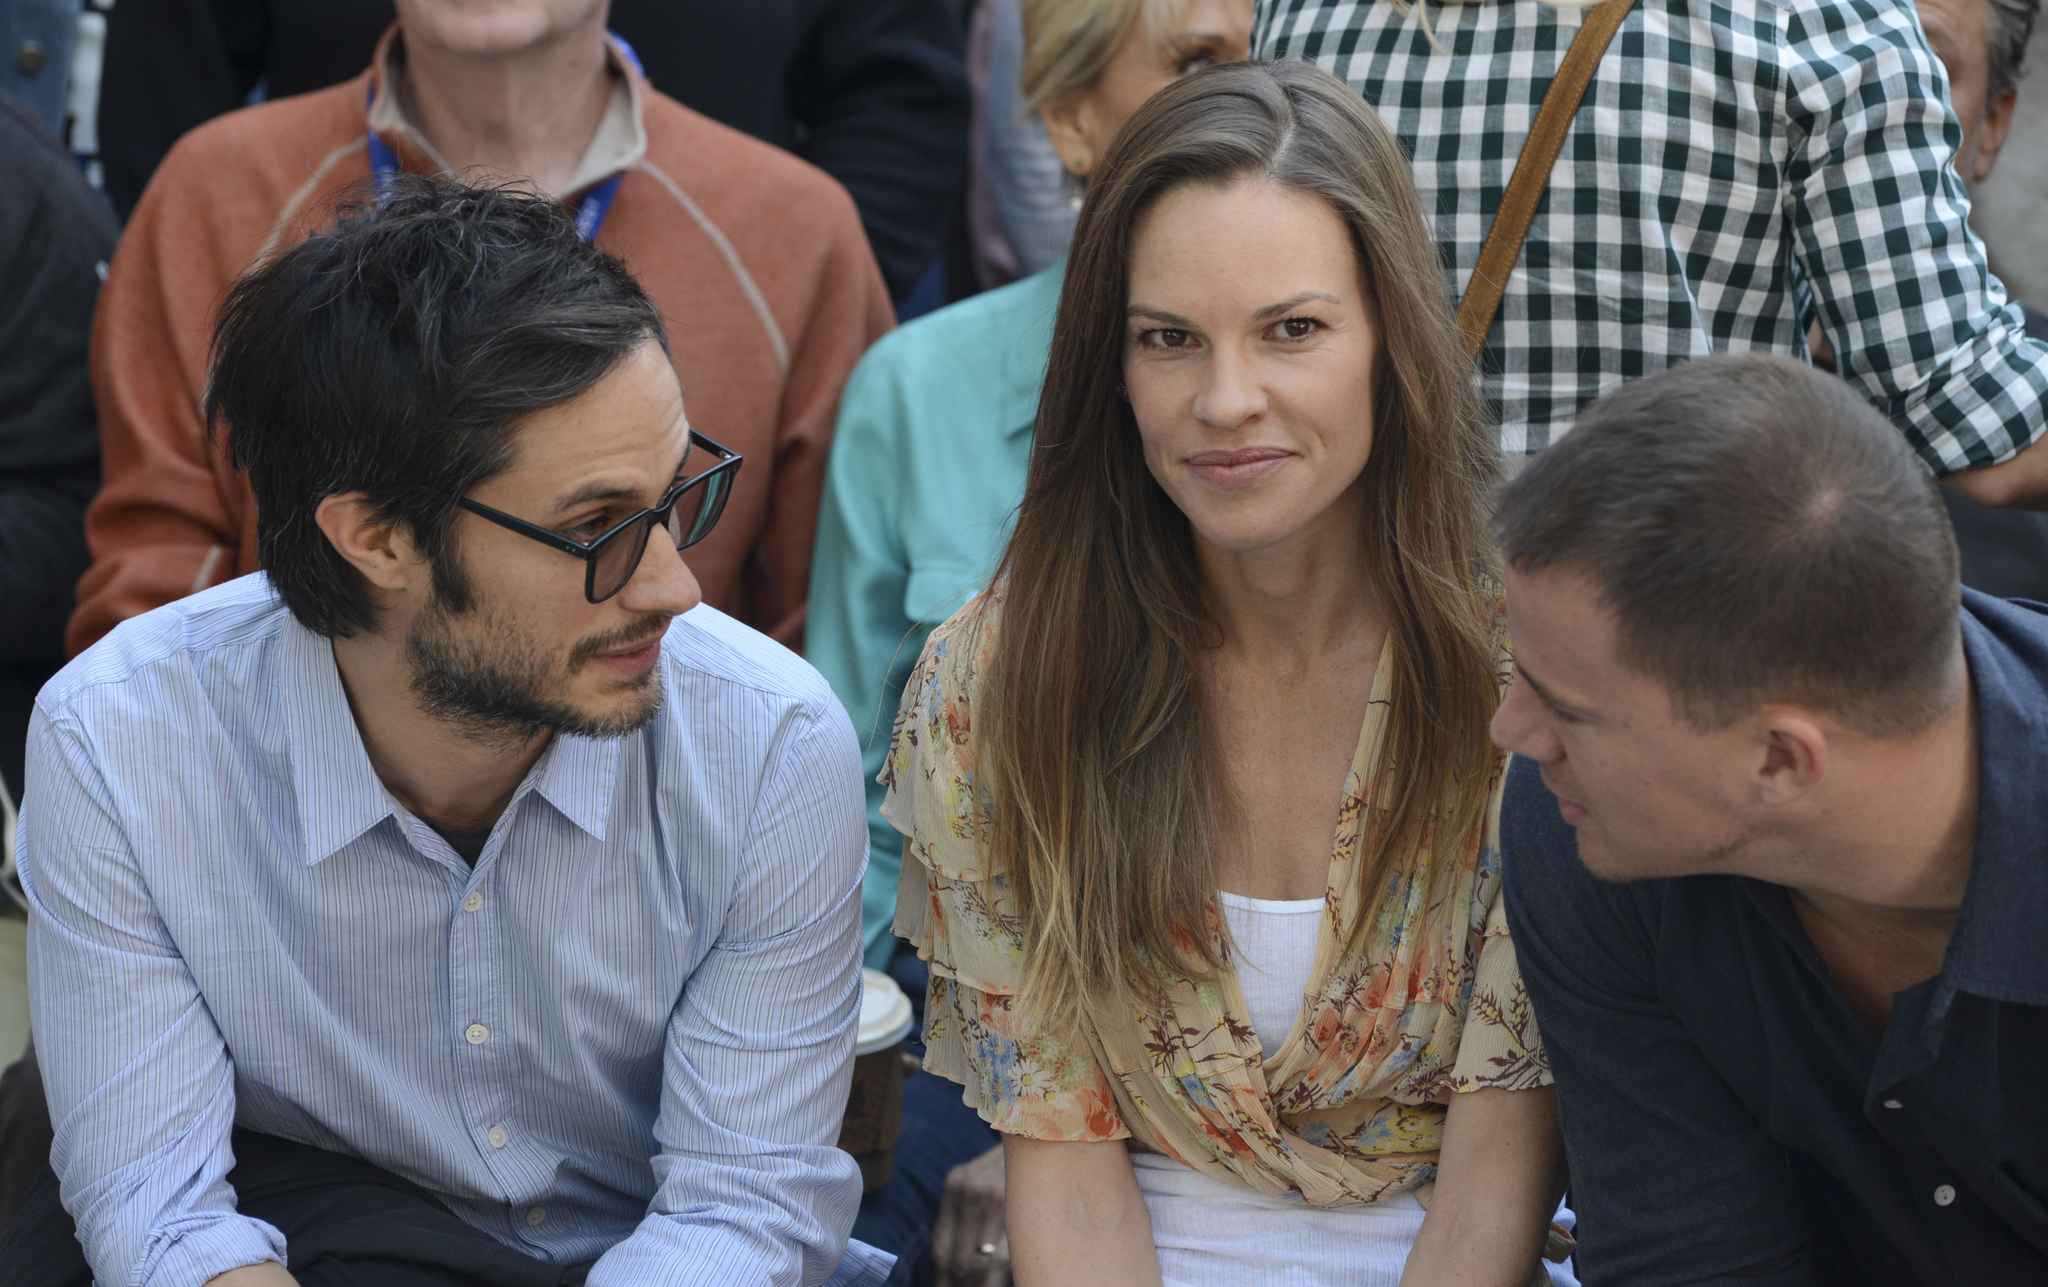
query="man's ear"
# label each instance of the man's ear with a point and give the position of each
(1794, 755)
(1997, 124)
(376, 547)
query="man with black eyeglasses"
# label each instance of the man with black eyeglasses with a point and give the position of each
(458, 901)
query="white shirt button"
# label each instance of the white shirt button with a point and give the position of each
(498, 1137)
(474, 901)
(534, 1215)
(1944, 1194)
(1893, 1103)
(476, 1034)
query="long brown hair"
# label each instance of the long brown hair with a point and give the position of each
(1091, 740)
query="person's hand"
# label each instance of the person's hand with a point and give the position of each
(970, 1247)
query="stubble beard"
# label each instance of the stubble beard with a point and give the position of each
(495, 684)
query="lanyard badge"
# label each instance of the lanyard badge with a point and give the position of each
(590, 212)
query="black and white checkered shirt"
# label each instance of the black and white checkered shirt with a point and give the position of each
(1732, 165)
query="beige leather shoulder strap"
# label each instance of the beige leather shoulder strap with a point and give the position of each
(1532, 172)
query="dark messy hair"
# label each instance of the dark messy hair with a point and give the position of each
(1761, 534)
(2011, 25)
(395, 355)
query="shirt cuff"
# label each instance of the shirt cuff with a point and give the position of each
(200, 1247)
(862, 1266)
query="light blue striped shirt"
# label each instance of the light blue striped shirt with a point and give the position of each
(626, 1033)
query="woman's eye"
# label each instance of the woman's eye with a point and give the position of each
(1299, 328)
(1197, 62)
(1169, 339)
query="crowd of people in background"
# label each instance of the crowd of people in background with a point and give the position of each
(1278, 685)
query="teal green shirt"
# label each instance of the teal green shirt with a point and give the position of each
(927, 468)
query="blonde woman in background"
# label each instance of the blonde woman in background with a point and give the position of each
(1199, 797)
(927, 467)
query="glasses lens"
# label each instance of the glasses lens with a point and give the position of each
(690, 520)
(618, 558)
(697, 509)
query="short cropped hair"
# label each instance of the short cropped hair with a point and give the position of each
(395, 355)
(1761, 534)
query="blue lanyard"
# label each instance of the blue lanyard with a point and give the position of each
(590, 212)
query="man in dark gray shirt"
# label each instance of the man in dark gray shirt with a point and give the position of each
(1776, 873)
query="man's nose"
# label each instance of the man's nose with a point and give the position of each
(1520, 726)
(663, 583)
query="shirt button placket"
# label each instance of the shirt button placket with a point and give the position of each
(481, 1092)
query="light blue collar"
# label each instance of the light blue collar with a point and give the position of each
(339, 794)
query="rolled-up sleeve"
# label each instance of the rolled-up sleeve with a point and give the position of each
(139, 1080)
(1880, 227)
(751, 1187)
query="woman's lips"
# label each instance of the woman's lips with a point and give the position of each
(1240, 468)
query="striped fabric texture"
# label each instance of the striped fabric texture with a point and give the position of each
(1732, 168)
(626, 1033)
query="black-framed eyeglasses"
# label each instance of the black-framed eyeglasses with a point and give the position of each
(688, 510)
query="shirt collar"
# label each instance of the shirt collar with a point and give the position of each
(338, 792)
(1994, 949)
(339, 796)
(576, 775)
(619, 144)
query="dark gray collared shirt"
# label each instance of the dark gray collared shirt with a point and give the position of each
(1730, 1120)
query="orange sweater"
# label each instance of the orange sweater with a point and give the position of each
(756, 260)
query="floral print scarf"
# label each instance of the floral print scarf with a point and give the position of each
(1350, 1108)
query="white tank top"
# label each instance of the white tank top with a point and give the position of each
(1274, 949)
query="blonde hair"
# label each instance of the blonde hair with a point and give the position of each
(1090, 737)
(1067, 43)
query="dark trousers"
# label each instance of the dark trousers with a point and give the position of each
(24, 1133)
(346, 1224)
(2004, 551)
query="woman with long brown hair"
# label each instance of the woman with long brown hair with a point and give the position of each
(1199, 793)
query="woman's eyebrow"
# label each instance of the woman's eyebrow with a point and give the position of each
(1151, 314)
(1293, 302)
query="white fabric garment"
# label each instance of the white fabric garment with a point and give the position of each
(1212, 1234)
(1273, 945)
